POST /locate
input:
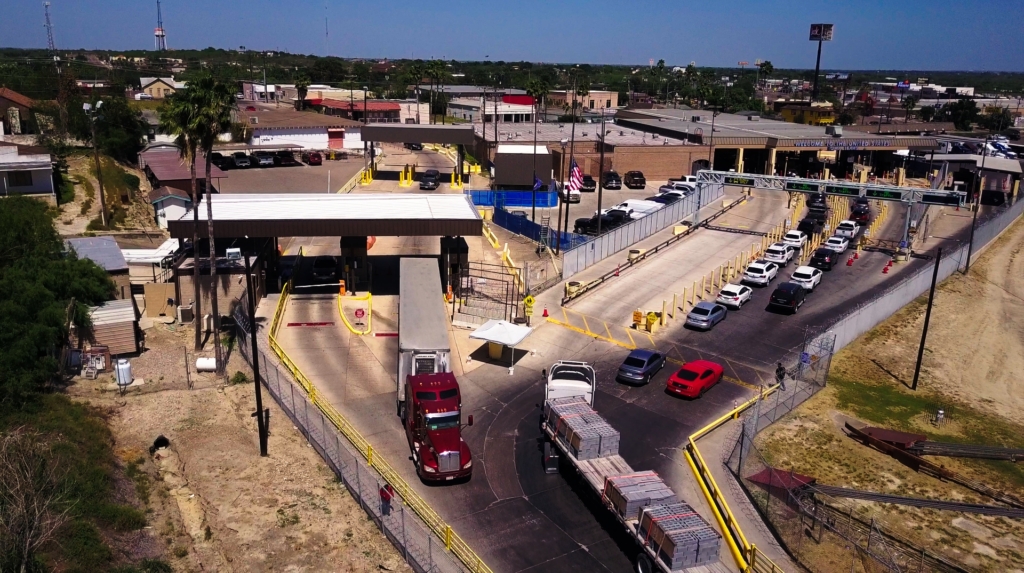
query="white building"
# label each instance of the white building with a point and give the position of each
(168, 203)
(471, 109)
(310, 130)
(26, 170)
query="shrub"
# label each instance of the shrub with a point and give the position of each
(239, 377)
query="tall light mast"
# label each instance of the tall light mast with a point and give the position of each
(158, 34)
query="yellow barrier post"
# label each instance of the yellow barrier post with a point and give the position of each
(448, 537)
(662, 317)
(674, 307)
(369, 455)
(703, 287)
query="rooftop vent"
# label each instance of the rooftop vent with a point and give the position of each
(254, 120)
(622, 133)
(584, 134)
(695, 118)
(834, 130)
(654, 136)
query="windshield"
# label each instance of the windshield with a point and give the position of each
(633, 362)
(700, 311)
(686, 375)
(443, 421)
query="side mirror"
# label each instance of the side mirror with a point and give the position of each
(544, 373)
(470, 420)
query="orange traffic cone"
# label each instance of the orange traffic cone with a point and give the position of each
(885, 270)
(849, 262)
(856, 255)
(545, 315)
(617, 269)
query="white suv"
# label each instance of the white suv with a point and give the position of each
(795, 239)
(807, 277)
(780, 253)
(761, 272)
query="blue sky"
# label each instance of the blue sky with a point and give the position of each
(869, 34)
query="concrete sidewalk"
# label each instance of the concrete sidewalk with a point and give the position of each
(715, 448)
(676, 268)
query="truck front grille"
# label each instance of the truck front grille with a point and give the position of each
(448, 462)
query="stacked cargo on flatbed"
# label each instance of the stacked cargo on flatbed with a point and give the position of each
(670, 531)
(680, 537)
(581, 429)
(630, 492)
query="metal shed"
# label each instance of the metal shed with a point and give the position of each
(114, 325)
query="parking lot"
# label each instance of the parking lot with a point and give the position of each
(300, 178)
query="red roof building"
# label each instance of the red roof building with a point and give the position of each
(376, 111)
(14, 111)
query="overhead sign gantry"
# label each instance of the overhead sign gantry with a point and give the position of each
(908, 195)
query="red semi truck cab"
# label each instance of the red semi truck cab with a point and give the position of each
(433, 426)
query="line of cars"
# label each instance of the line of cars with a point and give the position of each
(630, 209)
(695, 378)
(243, 160)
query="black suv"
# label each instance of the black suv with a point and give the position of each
(790, 296)
(414, 146)
(816, 200)
(811, 226)
(861, 214)
(431, 179)
(824, 259)
(589, 185)
(612, 180)
(634, 180)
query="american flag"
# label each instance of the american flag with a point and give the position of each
(575, 177)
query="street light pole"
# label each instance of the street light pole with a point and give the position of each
(572, 147)
(260, 414)
(91, 113)
(600, 173)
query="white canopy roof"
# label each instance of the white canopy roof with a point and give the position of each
(501, 332)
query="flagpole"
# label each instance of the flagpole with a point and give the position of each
(533, 195)
(572, 147)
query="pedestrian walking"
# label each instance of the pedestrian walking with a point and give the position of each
(780, 376)
(386, 494)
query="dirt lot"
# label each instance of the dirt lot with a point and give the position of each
(212, 502)
(972, 369)
(75, 216)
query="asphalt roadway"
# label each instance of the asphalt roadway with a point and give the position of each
(516, 517)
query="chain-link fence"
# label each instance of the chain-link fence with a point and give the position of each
(825, 533)
(422, 550)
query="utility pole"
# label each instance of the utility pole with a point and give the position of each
(572, 146)
(600, 175)
(266, 95)
(927, 318)
(92, 114)
(260, 414)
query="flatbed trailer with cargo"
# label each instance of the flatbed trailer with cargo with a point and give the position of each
(670, 534)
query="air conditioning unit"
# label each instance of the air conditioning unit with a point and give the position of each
(695, 119)
(834, 130)
(753, 118)
(208, 323)
(185, 314)
(254, 120)
(234, 254)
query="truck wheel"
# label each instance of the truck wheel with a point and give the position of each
(643, 564)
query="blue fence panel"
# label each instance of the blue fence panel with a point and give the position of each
(529, 229)
(487, 198)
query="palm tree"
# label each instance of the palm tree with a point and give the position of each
(302, 88)
(435, 70)
(179, 118)
(766, 68)
(215, 100)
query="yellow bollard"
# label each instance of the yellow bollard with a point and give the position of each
(693, 293)
(661, 319)
(675, 309)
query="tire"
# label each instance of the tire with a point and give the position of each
(647, 379)
(643, 564)
(401, 409)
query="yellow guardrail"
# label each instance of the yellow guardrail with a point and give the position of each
(746, 554)
(451, 540)
(614, 333)
(368, 297)
(491, 237)
(510, 266)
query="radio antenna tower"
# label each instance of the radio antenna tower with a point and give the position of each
(327, 33)
(158, 34)
(49, 37)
